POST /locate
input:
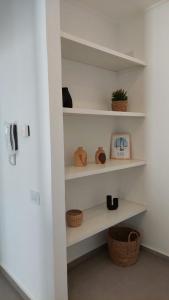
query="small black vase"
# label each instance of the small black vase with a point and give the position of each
(112, 204)
(66, 97)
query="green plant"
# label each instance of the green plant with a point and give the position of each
(119, 95)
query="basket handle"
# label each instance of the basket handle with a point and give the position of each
(133, 234)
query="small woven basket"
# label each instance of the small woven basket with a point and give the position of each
(74, 217)
(123, 245)
(119, 105)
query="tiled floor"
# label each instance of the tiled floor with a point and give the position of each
(6, 290)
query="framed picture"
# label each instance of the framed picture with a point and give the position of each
(121, 146)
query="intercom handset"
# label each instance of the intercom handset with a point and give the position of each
(11, 134)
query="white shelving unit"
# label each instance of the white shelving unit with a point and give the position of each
(94, 169)
(95, 112)
(98, 218)
(77, 49)
(92, 127)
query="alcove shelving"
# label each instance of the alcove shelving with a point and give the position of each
(79, 58)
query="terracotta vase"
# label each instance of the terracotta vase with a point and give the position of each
(100, 156)
(80, 157)
(120, 105)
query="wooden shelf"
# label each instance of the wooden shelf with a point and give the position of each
(98, 218)
(94, 112)
(77, 49)
(94, 169)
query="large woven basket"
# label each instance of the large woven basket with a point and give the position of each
(119, 105)
(74, 217)
(123, 245)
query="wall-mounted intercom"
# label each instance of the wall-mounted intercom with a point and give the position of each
(11, 134)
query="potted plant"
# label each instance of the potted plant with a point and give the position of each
(119, 100)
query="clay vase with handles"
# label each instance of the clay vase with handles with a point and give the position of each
(100, 156)
(80, 157)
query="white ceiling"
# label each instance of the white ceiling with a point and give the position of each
(118, 8)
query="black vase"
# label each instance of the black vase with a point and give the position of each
(112, 204)
(66, 97)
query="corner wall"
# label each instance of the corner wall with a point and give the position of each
(156, 222)
(155, 192)
(26, 229)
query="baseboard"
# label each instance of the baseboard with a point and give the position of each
(94, 252)
(15, 284)
(155, 251)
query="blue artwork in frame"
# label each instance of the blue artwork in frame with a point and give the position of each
(121, 146)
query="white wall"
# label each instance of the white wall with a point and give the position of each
(154, 180)
(155, 224)
(26, 239)
(90, 87)
(132, 36)
(21, 219)
(88, 24)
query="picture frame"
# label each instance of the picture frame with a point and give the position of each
(121, 146)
